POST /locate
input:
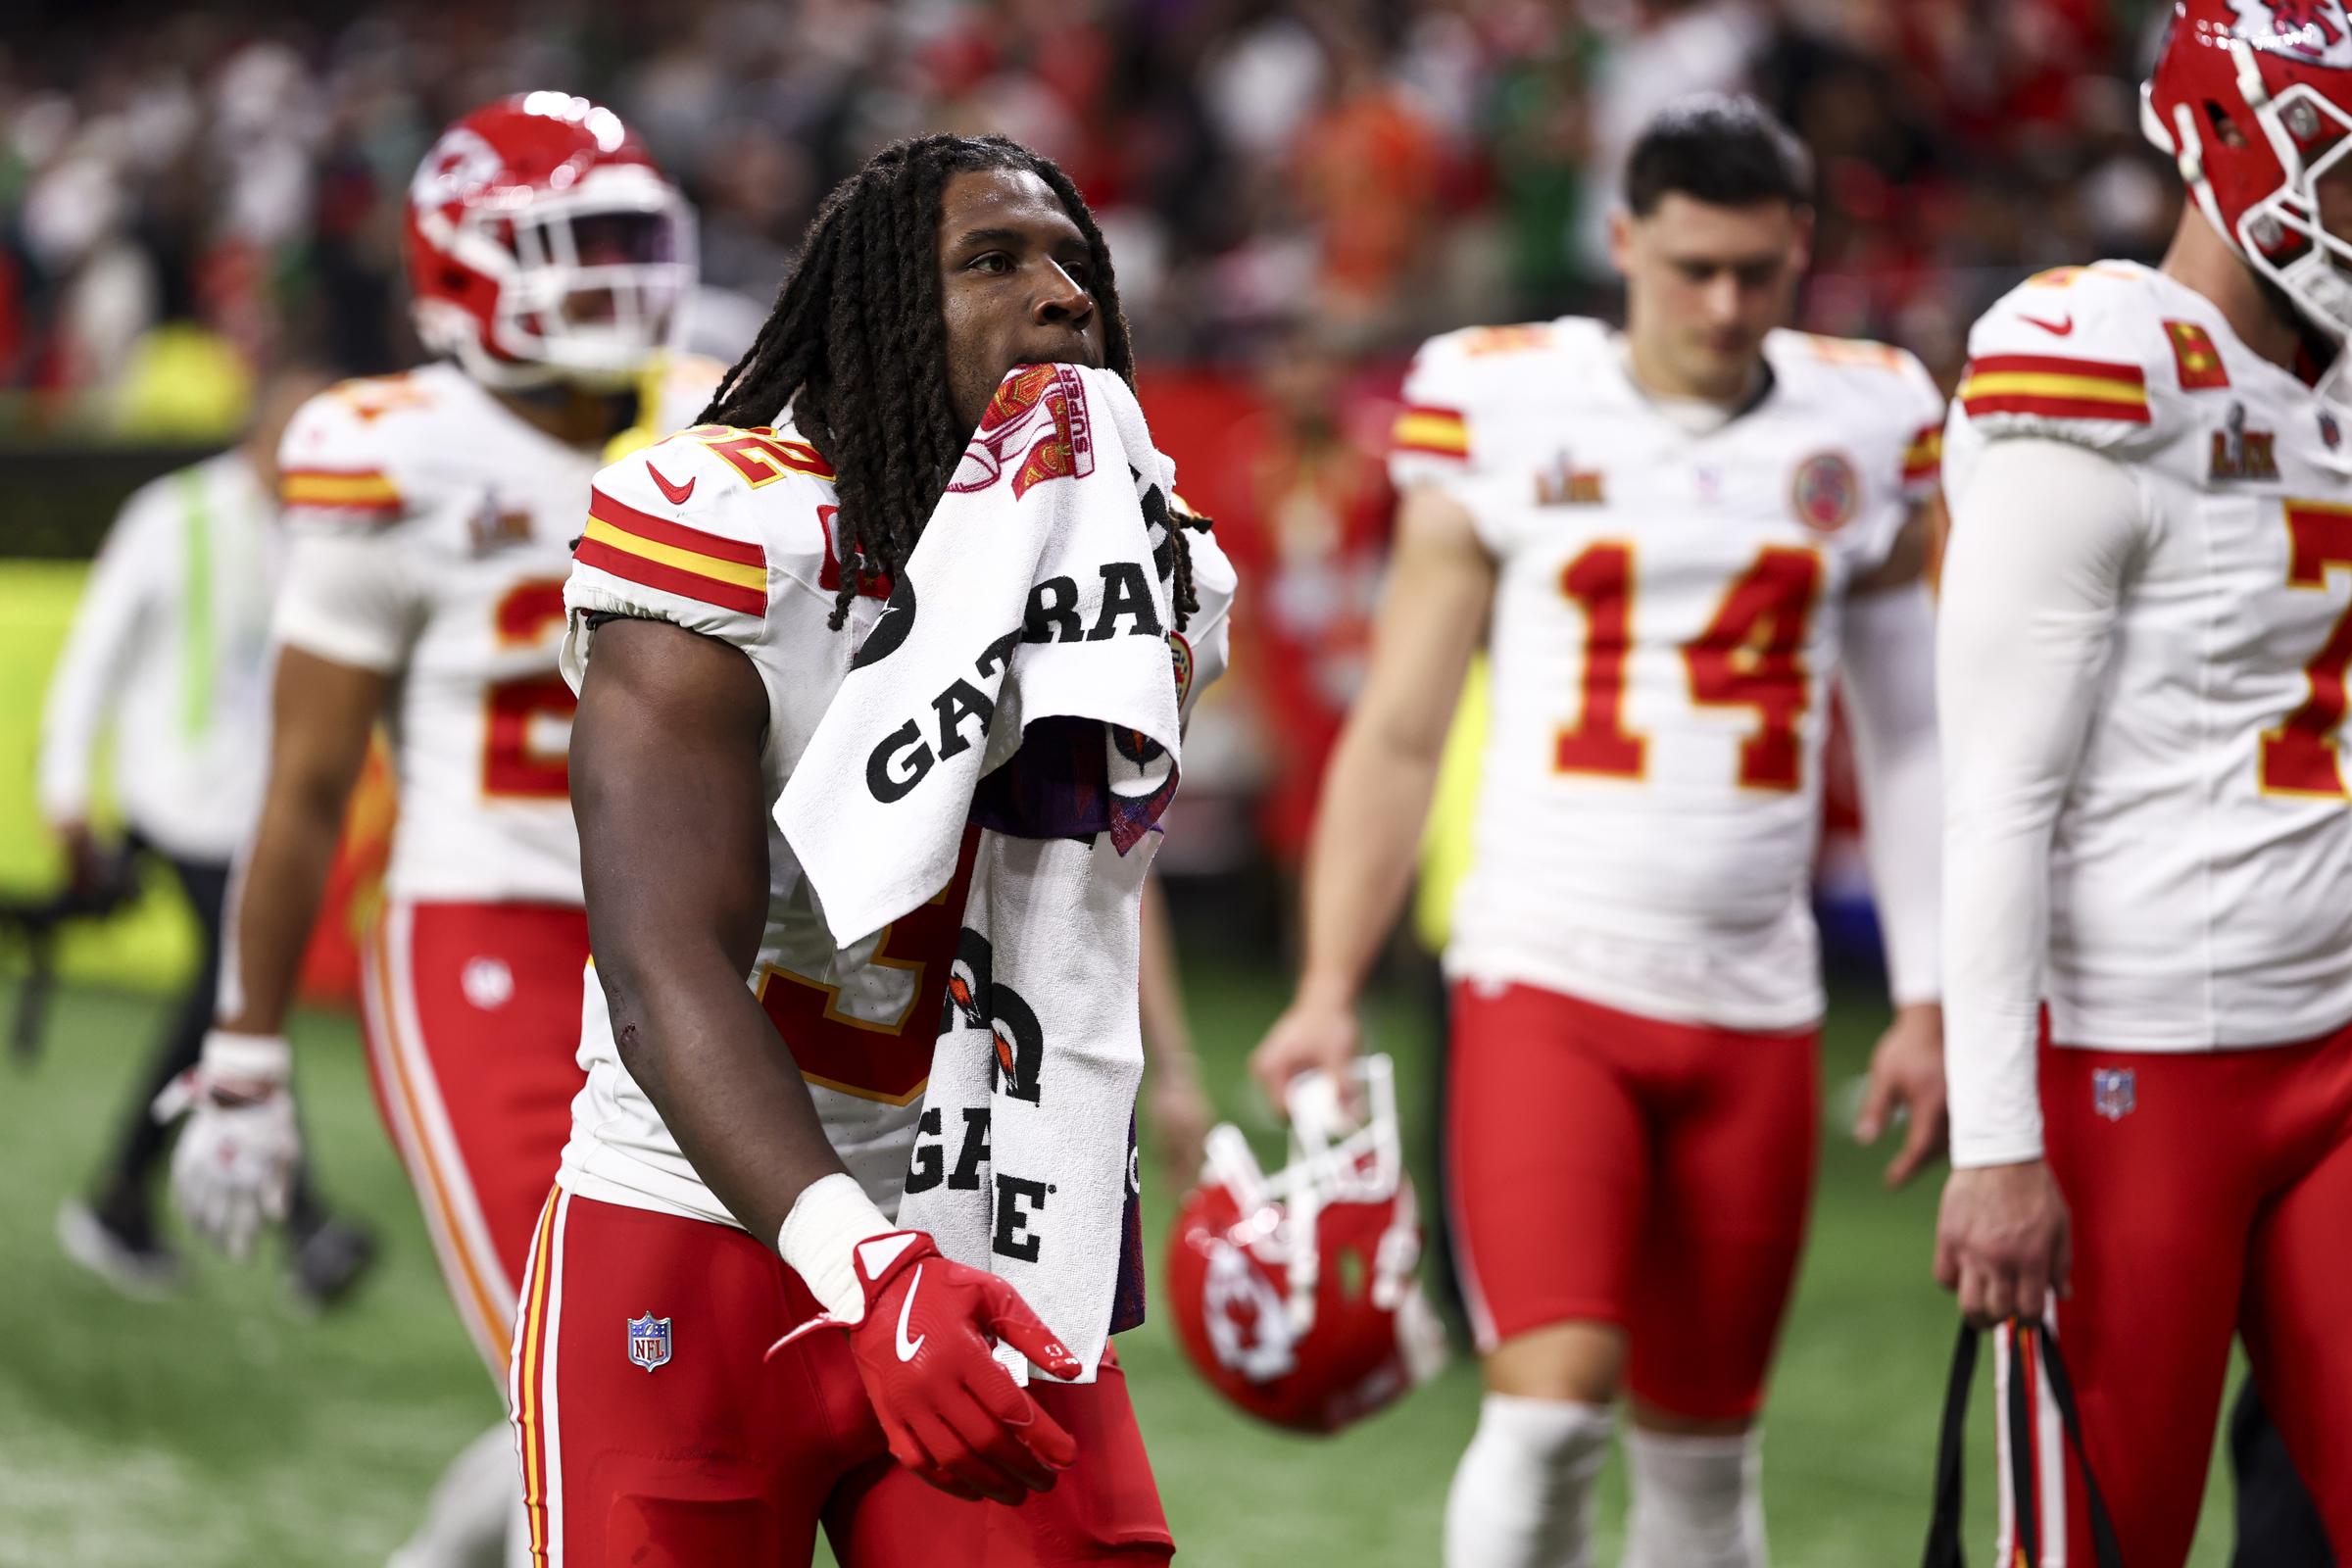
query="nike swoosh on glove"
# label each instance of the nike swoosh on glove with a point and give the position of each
(234, 1167)
(952, 1413)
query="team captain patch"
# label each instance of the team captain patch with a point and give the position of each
(660, 552)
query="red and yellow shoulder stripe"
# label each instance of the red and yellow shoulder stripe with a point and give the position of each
(1923, 458)
(2055, 387)
(663, 553)
(1436, 433)
(363, 492)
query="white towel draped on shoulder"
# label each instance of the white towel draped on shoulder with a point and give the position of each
(1039, 596)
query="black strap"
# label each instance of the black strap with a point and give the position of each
(1951, 1456)
(1945, 1528)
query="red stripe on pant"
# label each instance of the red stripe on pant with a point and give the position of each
(472, 1029)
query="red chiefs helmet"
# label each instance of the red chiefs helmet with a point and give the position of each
(2253, 100)
(1297, 1294)
(544, 245)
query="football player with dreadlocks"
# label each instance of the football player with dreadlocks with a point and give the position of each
(754, 1088)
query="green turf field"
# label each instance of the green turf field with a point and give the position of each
(223, 1430)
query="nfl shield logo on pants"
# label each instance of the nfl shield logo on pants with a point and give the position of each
(648, 1341)
(2113, 1092)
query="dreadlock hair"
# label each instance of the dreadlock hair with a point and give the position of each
(855, 347)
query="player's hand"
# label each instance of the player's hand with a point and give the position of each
(1906, 1081)
(1319, 1030)
(951, 1412)
(233, 1168)
(1177, 1115)
(2004, 1240)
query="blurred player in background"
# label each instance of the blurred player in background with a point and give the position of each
(2145, 631)
(723, 587)
(1671, 539)
(170, 649)
(432, 516)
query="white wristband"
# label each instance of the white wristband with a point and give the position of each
(820, 1240)
(259, 1059)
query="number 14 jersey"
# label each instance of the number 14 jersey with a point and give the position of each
(1667, 618)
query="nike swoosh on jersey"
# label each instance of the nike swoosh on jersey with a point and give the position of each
(907, 1347)
(2058, 329)
(677, 493)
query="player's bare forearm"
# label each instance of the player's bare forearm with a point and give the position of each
(322, 714)
(1383, 770)
(672, 811)
(1360, 861)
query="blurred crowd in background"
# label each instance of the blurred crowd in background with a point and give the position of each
(1295, 191)
(1366, 169)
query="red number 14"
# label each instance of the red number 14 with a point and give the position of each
(1751, 655)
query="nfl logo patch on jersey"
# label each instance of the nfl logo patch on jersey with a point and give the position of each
(648, 1341)
(2114, 1092)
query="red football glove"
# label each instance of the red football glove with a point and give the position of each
(953, 1414)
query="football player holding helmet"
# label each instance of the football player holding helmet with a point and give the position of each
(1297, 1292)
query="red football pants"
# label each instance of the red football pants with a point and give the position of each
(1613, 1168)
(2211, 1194)
(718, 1458)
(473, 1020)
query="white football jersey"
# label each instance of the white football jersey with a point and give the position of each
(431, 532)
(1666, 623)
(728, 532)
(2200, 873)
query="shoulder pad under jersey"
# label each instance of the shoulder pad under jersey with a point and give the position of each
(1438, 437)
(2081, 354)
(688, 530)
(347, 457)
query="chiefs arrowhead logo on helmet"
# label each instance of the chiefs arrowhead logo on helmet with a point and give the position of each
(1296, 1295)
(1248, 1325)
(2314, 31)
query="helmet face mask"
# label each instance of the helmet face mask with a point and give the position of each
(2253, 101)
(544, 246)
(599, 281)
(2283, 235)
